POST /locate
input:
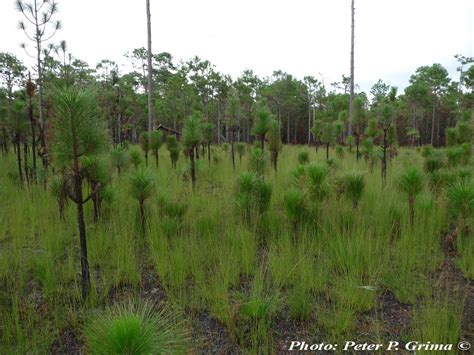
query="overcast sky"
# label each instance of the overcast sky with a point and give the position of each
(301, 37)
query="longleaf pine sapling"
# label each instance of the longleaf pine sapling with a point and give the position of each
(78, 133)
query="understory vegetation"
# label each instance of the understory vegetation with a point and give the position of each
(311, 249)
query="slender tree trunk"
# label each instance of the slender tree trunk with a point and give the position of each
(327, 151)
(275, 161)
(288, 128)
(142, 217)
(309, 125)
(351, 96)
(85, 275)
(156, 158)
(5, 140)
(232, 149)
(193, 168)
(33, 138)
(295, 127)
(25, 161)
(150, 69)
(209, 153)
(96, 202)
(411, 209)
(433, 120)
(294, 231)
(18, 156)
(61, 205)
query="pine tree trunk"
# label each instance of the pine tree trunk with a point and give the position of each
(25, 162)
(209, 153)
(433, 121)
(193, 168)
(411, 208)
(142, 217)
(232, 151)
(18, 156)
(85, 275)
(351, 96)
(33, 139)
(150, 69)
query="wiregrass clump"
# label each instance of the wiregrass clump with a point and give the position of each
(138, 330)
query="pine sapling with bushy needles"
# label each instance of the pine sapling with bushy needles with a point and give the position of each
(411, 183)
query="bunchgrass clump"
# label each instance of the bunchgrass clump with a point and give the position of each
(138, 330)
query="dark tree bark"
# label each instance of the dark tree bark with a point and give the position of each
(142, 216)
(18, 156)
(209, 153)
(25, 161)
(30, 88)
(232, 152)
(85, 274)
(193, 168)
(156, 157)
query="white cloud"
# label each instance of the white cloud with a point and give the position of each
(302, 37)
